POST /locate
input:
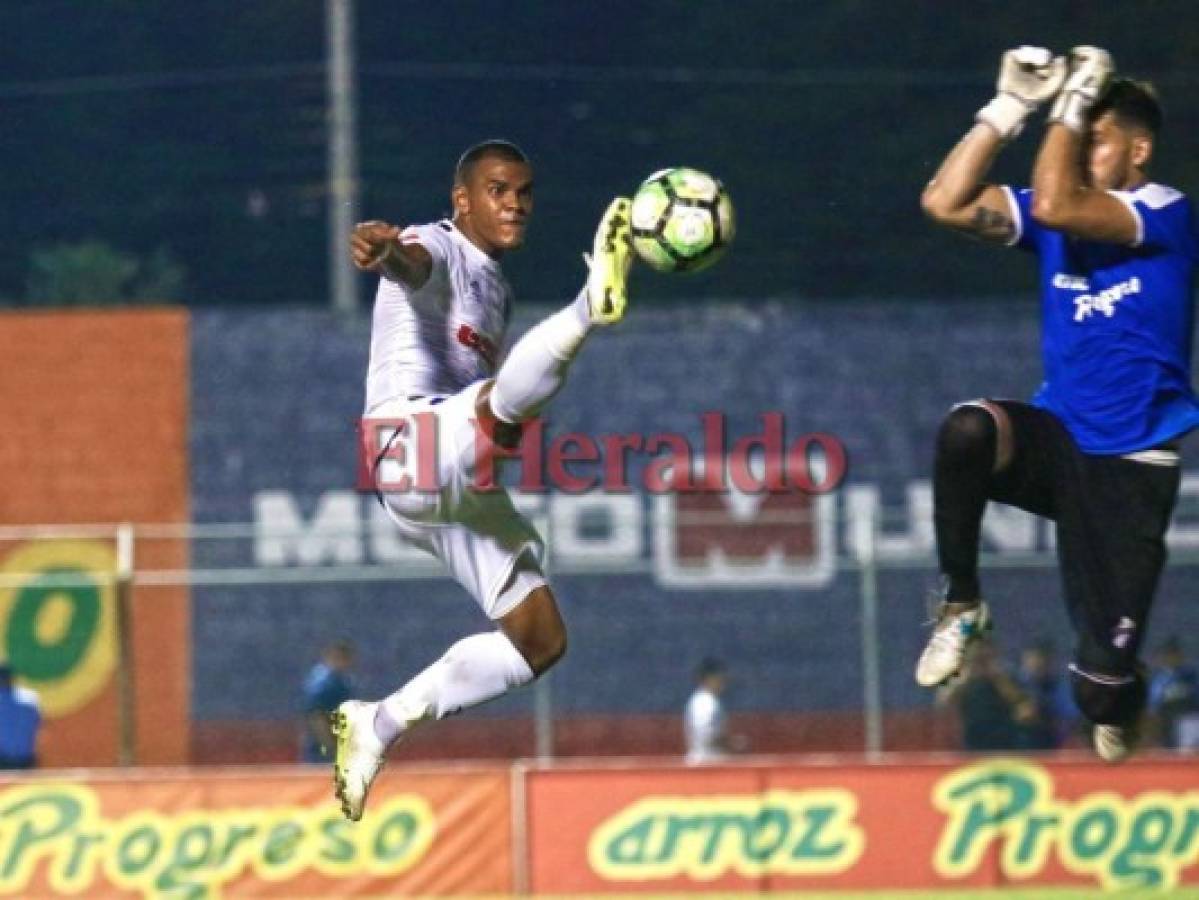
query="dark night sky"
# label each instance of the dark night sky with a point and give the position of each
(198, 128)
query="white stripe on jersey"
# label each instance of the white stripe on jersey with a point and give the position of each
(1128, 199)
(1156, 196)
(446, 335)
(1017, 218)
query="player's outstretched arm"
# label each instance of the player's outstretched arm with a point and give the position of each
(958, 197)
(1061, 199)
(375, 246)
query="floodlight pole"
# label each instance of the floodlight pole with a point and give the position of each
(342, 185)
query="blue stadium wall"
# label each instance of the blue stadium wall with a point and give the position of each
(275, 396)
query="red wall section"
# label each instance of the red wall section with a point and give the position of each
(95, 431)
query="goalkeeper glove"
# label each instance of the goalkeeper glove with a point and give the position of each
(1090, 69)
(1028, 76)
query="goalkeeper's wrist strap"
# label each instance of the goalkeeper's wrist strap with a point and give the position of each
(1006, 114)
(1070, 109)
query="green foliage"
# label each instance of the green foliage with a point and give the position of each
(92, 273)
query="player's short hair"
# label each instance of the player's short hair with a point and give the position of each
(1134, 104)
(708, 667)
(496, 147)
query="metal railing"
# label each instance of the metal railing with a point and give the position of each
(862, 559)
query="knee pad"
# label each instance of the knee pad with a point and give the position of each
(1108, 699)
(967, 431)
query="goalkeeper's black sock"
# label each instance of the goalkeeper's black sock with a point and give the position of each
(962, 468)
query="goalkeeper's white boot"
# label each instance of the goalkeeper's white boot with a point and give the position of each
(611, 256)
(1115, 743)
(358, 757)
(953, 634)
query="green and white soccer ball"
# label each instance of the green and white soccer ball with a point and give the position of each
(682, 220)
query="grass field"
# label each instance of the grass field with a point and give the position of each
(1089, 893)
(1188, 893)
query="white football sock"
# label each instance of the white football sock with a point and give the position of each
(536, 368)
(474, 670)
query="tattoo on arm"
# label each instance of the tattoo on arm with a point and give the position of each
(988, 223)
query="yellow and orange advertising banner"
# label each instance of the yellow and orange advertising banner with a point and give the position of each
(840, 826)
(620, 828)
(270, 833)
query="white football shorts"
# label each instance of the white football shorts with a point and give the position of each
(478, 535)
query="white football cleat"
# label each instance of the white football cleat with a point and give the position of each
(1115, 743)
(945, 654)
(358, 757)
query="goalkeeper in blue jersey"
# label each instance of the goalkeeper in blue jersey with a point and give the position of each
(1097, 448)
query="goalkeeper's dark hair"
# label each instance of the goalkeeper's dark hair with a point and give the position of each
(1133, 103)
(505, 150)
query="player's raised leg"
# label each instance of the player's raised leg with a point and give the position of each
(969, 450)
(536, 368)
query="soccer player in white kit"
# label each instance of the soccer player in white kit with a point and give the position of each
(440, 316)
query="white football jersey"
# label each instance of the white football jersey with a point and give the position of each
(446, 335)
(704, 726)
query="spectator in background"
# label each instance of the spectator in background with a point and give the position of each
(705, 723)
(1045, 722)
(1174, 698)
(989, 701)
(326, 687)
(20, 719)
